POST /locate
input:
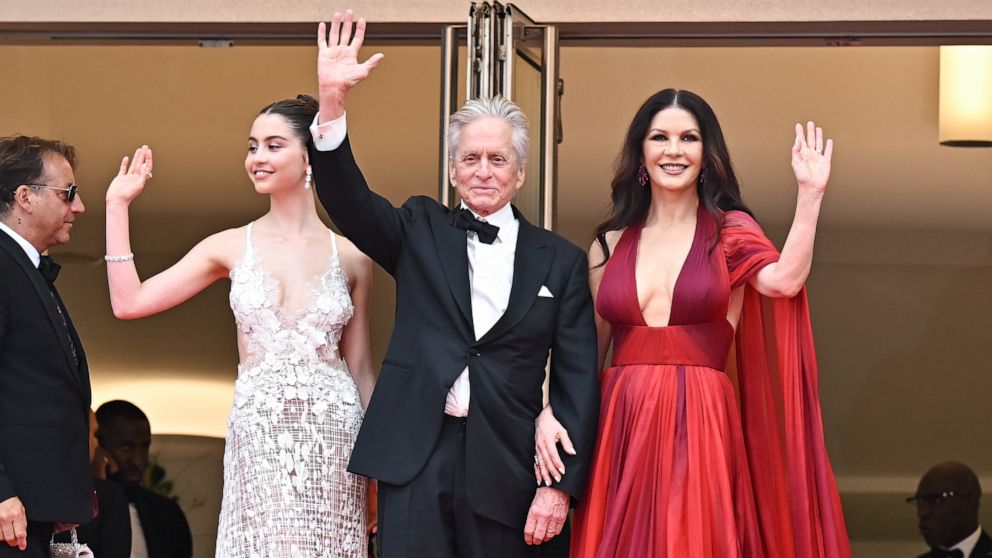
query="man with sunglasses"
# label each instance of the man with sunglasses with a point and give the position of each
(44, 381)
(946, 502)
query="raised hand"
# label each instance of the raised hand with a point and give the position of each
(811, 157)
(131, 178)
(338, 68)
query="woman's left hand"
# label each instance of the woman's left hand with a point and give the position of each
(548, 433)
(811, 158)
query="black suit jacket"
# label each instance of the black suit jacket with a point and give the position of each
(982, 550)
(44, 398)
(109, 533)
(163, 523)
(433, 340)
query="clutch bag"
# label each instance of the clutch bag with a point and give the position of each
(71, 549)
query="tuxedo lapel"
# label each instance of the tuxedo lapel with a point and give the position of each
(452, 251)
(48, 301)
(984, 546)
(530, 267)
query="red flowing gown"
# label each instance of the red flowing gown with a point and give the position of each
(684, 464)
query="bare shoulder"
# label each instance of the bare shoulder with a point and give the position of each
(354, 261)
(596, 255)
(224, 248)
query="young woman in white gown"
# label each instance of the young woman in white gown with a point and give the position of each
(300, 297)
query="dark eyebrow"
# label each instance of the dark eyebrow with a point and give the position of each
(270, 138)
(666, 131)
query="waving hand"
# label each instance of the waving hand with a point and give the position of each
(131, 178)
(811, 157)
(338, 68)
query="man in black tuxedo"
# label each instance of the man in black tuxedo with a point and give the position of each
(947, 502)
(44, 380)
(449, 432)
(158, 525)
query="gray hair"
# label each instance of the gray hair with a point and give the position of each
(495, 107)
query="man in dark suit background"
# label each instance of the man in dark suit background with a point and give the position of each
(44, 379)
(947, 503)
(449, 432)
(158, 525)
(108, 535)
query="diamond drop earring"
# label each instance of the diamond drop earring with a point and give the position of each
(309, 179)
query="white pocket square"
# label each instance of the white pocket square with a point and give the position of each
(545, 292)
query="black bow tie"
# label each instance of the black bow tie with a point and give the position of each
(465, 220)
(945, 553)
(49, 269)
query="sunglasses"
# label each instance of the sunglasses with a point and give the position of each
(70, 192)
(933, 499)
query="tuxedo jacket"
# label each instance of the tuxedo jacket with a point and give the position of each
(44, 397)
(434, 340)
(109, 533)
(982, 550)
(164, 524)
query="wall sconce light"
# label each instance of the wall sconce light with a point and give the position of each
(965, 96)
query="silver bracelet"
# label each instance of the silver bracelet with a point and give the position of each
(125, 258)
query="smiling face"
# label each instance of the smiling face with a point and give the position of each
(484, 169)
(51, 214)
(276, 159)
(673, 149)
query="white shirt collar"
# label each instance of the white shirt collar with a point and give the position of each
(969, 543)
(502, 216)
(28, 248)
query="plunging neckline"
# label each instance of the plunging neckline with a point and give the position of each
(678, 278)
(311, 286)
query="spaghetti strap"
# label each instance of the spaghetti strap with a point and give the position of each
(249, 248)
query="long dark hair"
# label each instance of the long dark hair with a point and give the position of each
(717, 187)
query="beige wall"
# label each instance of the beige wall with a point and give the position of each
(901, 273)
(636, 11)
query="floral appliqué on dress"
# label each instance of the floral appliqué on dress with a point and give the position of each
(287, 493)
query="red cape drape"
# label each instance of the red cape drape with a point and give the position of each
(795, 493)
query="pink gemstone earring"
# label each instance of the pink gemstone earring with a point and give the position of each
(642, 175)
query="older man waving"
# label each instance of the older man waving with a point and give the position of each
(482, 298)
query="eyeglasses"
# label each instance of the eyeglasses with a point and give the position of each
(931, 499)
(70, 192)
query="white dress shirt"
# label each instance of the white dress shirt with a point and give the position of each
(490, 275)
(139, 548)
(28, 248)
(490, 266)
(969, 543)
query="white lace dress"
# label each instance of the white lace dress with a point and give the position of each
(294, 421)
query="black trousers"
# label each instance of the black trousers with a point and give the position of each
(39, 536)
(429, 517)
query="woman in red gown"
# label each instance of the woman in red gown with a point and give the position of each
(684, 465)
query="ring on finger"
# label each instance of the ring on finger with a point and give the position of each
(537, 459)
(149, 174)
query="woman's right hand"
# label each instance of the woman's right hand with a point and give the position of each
(131, 178)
